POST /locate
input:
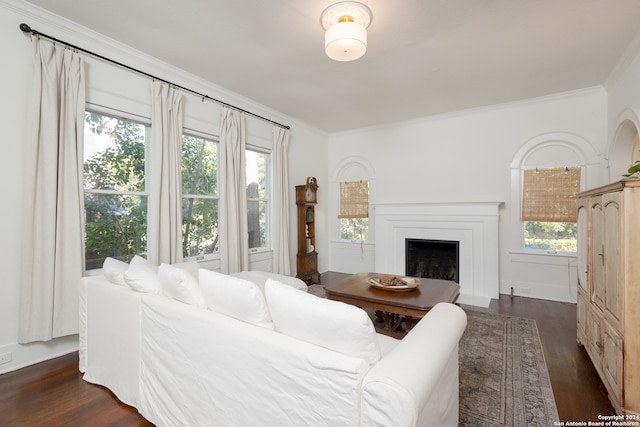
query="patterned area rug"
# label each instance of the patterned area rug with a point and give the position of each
(503, 375)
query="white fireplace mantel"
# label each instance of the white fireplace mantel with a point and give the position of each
(474, 225)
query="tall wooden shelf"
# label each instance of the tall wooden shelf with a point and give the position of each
(307, 256)
(609, 288)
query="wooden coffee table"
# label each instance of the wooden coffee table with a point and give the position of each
(392, 306)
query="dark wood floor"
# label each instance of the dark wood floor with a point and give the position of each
(53, 393)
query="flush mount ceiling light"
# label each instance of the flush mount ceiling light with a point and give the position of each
(346, 30)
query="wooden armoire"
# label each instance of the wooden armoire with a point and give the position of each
(609, 288)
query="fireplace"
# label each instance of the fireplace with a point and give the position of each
(474, 226)
(432, 259)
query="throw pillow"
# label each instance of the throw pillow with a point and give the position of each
(142, 276)
(113, 270)
(331, 324)
(235, 297)
(190, 266)
(179, 284)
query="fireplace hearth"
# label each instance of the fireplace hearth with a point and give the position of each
(432, 259)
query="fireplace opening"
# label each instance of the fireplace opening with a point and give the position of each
(433, 259)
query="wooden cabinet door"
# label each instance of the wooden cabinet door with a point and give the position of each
(594, 336)
(596, 254)
(612, 257)
(612, 360)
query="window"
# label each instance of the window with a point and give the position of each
(354, 210)
(199, 197)
(549, 208)
(258, 189)
(115, 194)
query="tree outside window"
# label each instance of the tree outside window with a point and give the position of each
(115, 195)
(199, 197)
(258, 189)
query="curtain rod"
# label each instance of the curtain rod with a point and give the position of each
(27, 29)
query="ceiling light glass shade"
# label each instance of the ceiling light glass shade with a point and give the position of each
(345, 41)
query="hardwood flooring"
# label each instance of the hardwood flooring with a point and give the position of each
(53, 393)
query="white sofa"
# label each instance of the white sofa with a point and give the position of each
(248, 350)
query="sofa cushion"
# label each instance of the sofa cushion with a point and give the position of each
(331, 324)
(142, 276)
(179, 284)
(113, 270)
(235, 297)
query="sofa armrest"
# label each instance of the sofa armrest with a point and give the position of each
(417, 382)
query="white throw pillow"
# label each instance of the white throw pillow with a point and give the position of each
(179, 284)
(331, 324)
(235, 297)
(113, 270)
(190, 266)
(260, 278)
(142, 276)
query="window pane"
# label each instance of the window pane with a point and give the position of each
(257, 221)
(199, 166)
(354, 228)
(257, 175)
(550, 236)
(114, 162)
(199, 226)
(113, 153)
(115, 226)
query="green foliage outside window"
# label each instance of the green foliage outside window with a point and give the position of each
(354, 229)
(199, 203)
(115, 224)
(551, 236)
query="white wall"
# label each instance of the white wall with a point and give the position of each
(119, 89)
(465, 157)
(623, 88)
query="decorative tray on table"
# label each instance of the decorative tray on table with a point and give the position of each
(391, 282)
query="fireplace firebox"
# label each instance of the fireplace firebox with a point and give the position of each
(433, 259)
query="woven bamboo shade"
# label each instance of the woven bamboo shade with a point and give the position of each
(549, 195)
(354, 199)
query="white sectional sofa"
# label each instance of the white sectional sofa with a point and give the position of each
(256, 349)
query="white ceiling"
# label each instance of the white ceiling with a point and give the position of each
(425, 57)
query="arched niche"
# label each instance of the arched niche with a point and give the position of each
(624, 149)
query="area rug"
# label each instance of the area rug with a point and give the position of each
(503, 375)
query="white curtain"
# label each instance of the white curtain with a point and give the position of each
(53, 254)
(234, 244)
(165, 185)
(281, 243)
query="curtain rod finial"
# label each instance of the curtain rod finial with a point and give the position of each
(25, 28)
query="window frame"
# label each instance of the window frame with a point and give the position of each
(119, 115)
(267, 199)
(541, 151)
(216, 140)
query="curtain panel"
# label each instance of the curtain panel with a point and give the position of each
(165, 185)
(52, 252)
(234, 245)
(281, 236)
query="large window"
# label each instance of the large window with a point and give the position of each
(354, 210)
(199, 197)
(258, 189)
(549, 208)
(115, 194)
